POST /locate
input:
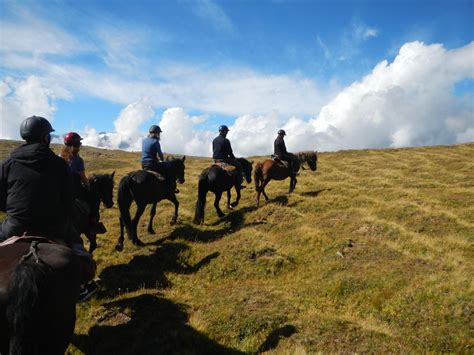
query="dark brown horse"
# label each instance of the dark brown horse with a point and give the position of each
(88, 202)
(274, 170)
(145, 187)
(218, 181)
(39, 286)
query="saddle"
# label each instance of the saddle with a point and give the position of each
(27, 239)
(277, 159)
(229, 169)
(140, 176)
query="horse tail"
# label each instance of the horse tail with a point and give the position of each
(23, 307)
(258, 176)
(201, 201)
(125, 199)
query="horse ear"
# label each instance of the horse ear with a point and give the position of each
(113, 174)
(251, 162)
(184, 157)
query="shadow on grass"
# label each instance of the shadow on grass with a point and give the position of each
(313, 193)
(148, 271)
(274, 337)
(188, 232)
(146, 324)
(279, 200)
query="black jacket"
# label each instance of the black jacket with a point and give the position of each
(279, 147)
(221, 148)
(36, 189)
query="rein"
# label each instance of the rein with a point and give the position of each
(32, 252)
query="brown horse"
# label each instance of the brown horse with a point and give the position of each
(39, 286)
(275, 170)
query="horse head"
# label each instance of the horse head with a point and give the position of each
(311, 158)
(246, 169)
(177, 168)
(103, 185)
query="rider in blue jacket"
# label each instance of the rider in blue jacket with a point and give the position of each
(153, 159)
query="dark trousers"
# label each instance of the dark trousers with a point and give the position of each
(163, 169)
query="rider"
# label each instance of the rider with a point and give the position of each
(70, 153)
(153, 159)
(222, 151)
(279, 150)
(36, 193)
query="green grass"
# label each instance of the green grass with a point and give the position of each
(372, 253)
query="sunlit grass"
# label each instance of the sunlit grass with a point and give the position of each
(372, 253)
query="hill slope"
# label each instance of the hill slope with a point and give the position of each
(373, 252)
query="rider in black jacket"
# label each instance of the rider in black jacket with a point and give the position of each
(36, 192)
(36, 189)
(279, 149)
(222, 151)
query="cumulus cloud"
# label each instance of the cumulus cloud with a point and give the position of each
(20, 99)
(126, 135)
(406, 103)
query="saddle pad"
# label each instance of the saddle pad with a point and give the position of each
(227, 167)
(25, 239)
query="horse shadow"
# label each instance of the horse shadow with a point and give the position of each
(148, 271)
(274, 337)
(281, 200)
(313, 193)
(234, 222)
(146, 324)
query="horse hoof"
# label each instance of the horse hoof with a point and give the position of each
(230, 207)
(119, 247)
(151, 231)
(234, 204)
(138, 242)
(172, 223)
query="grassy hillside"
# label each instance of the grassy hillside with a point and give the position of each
(372, 253)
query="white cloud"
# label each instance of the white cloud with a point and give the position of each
(20, 99)
(212, 13)
(406, 103)
(126, 135)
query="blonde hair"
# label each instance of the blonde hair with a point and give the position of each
(67, 152)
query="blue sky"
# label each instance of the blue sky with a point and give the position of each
(85, 62)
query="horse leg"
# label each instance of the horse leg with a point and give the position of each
(176, 206)
(216, 204)
(119, 245)
(237, 199)
(150, 222)
(265, 182)
(134, 227)
(92, 242)
(292, 184)
(229, 205)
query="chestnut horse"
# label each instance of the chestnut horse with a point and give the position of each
(39, 286)
(274, 170)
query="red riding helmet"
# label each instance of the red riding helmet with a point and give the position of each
(72, 138)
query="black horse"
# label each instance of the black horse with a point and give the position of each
(39, 286)
(217, 180)
(146, 187)
(88, 202)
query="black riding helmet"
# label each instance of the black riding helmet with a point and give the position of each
(155, 129)
(282, 132)
(223, 128)
(34, 128)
